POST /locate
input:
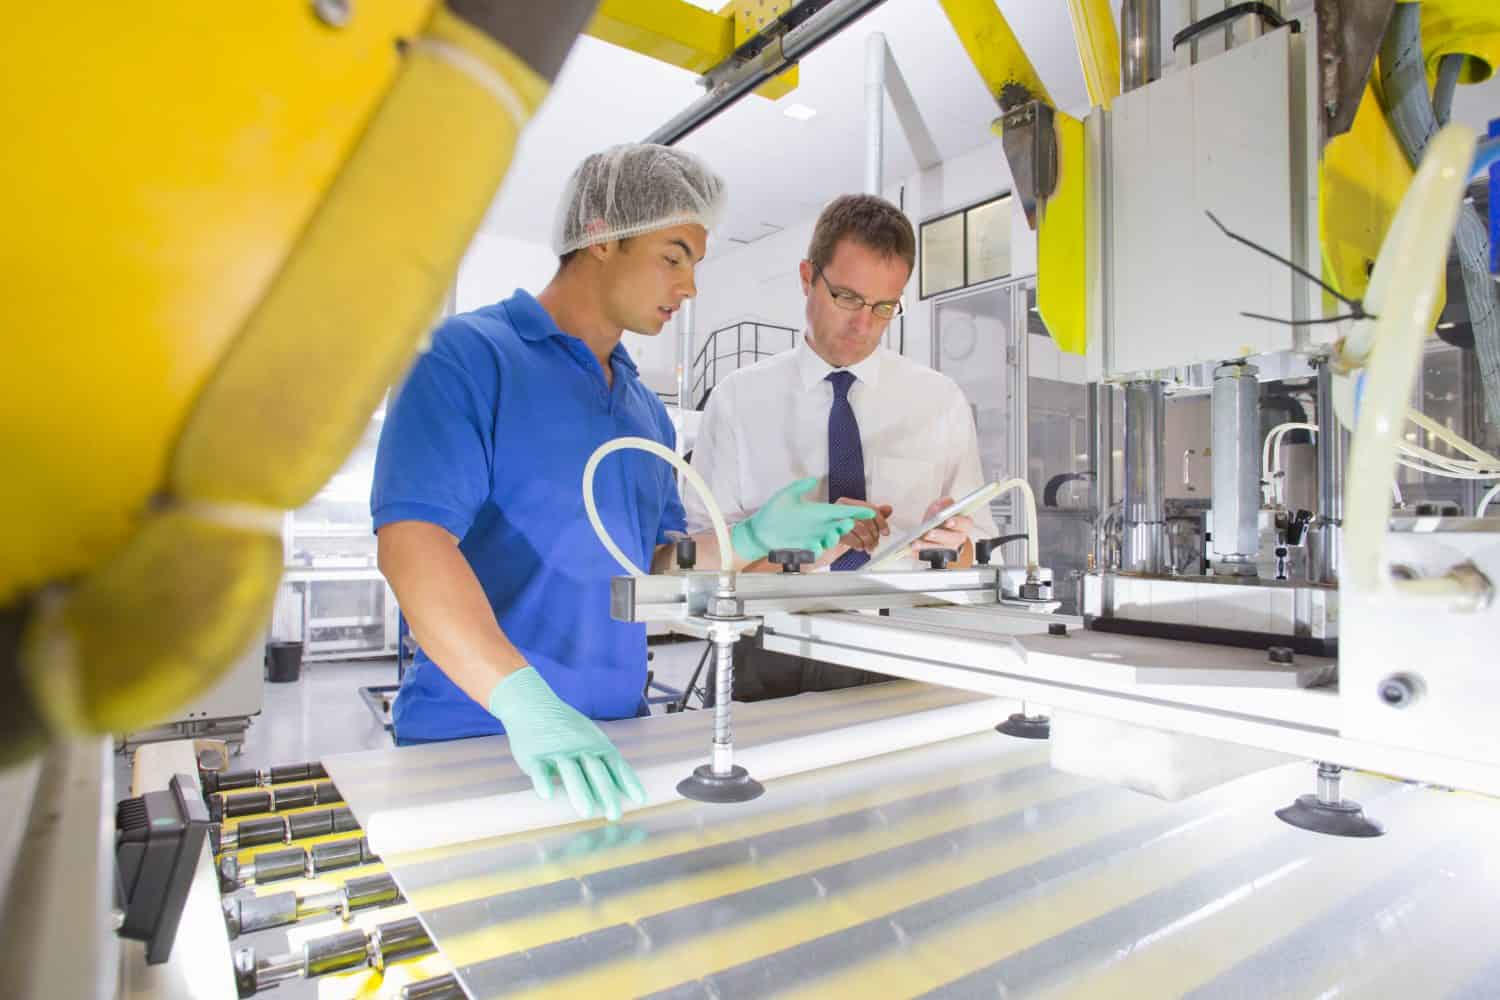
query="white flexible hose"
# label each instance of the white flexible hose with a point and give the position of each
(1270, 455)
(1408, 273)
(1484, 502)
(1029, 499)
(721, 530)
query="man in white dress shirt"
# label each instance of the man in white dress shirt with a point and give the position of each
(875, 428)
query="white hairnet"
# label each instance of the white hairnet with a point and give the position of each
(632, 189)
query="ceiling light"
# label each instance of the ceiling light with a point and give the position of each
(799, 112)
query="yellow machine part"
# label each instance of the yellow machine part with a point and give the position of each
(1098, 48)
(267, 212)
(1062, 265)
(1470, 28)
(683, 34)
(1363, 176)
(992, 48)
(670, 31)
(750, 18)
(154, 144)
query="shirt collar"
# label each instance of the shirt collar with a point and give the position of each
(814, 369)
(534, 323)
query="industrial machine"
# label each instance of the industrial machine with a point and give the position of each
(1240, 657)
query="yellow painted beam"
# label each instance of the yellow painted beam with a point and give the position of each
(1098, 48)
(1062, 272)
(672, 31)
(994, 50)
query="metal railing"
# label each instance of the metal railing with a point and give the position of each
(755, 340)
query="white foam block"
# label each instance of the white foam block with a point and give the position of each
(398, 831)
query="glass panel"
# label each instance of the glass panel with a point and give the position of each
(1059, 455)
(332, 531)
(1449, 391)
(988, 247)
(942, 255)
(973, 344)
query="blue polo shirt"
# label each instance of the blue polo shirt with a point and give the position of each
(488, 439)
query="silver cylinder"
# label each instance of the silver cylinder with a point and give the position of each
(1236, 498)
(1142, 534)
(1330, 777)
(1333, 442)
(1140, 43)
(875, 56)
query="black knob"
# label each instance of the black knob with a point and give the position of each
(687, 553)
(1057, 628)
(792, 560)
(1280, 654)
(938, 558)
(985, 547)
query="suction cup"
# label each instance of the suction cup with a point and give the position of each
(706, 786)
(1026, 727)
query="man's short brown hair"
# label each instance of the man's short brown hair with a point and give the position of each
(868, 220)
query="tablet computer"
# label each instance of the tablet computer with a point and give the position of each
(893, 550)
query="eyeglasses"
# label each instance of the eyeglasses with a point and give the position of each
(852, 301)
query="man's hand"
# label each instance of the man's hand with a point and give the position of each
(867, 534)
(951, 534)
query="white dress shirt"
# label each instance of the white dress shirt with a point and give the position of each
(767, 425)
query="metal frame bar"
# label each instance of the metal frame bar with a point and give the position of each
(1065, 673)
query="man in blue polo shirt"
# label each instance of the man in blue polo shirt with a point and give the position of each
(477, 503)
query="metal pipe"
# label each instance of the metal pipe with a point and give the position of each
(1144, 510)
(1101, 401)
(1333, 444)
(686, 317)
(723, 749)
(1140, 43)
(875, 60)
(779, 55)
(1236, 496)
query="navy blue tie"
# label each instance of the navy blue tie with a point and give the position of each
(846, 458)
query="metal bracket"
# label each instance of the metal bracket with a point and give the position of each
(1029, 136)
(1349, 34)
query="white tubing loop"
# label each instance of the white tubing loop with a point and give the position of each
(1403, 289)
(721, 530)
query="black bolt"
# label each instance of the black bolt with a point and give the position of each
(1398, 691)
(1057, 628)
(938, 558)
(1280, 654)
(687, 553)
(791, 560)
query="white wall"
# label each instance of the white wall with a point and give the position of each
(495, 266)
(759, 281)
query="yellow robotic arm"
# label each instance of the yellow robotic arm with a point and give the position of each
(228, 226)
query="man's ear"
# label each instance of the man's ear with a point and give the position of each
(602, 251)
(805, 269)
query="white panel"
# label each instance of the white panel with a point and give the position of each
(1450, 655)
(1216, 138)
(1175, 604)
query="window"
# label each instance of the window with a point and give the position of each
(966, 247)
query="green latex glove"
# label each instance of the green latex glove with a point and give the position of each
(547, 736)
(787, 521)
